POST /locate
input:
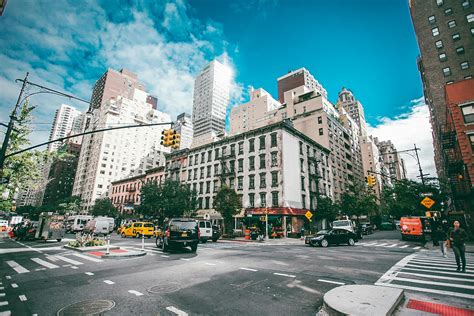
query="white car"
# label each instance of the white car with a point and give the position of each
(345, 224)
(205, 229)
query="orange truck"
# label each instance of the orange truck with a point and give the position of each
(415, 227)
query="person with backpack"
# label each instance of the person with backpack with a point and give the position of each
(457, 239)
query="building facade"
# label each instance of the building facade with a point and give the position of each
(184, 126)
(66, 121)
(109, 156)
(391, 160)
(210, 102)
(298, 78)
(354, 108)
(275, 167)
(444, 30)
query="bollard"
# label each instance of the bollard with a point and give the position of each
(108, 245)
(143, 242)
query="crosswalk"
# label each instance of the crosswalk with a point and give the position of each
(431, 273)
(389, 245)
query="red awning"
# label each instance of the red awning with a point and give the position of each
(276, 211)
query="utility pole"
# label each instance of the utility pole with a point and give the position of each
(8, 133)
(419, 165)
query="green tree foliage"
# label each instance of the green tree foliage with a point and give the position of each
(170, 199)
(104, 207)
(228, 204)
(404, 198)
(326, 209)
(358, 201)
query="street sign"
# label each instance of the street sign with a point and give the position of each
(426, 194)
(308, 215)
(427, 202)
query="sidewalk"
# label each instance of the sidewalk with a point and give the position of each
(276, 241)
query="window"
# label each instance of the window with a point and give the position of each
(439, 2)
(456, 37)
(263, 181)
(190, 174)
(468, 113)
(216, 185)
(273, 138)
(302, 184)
(439, 44)
(190, 161)
(232, 166)
(303, 200)
(201, 175)
(251, 145)
(443, 57)
(241, 148)
(241, 165)
(231, 183)
(209, 156)
(251, 181)
(251, 199)
(435, 31)
(464, 65)
(447, 71)
(321, 131)
(432, 19)
(262, 143)
(466, 4)
(451, 24)
(274, 179)
(468, 77)
(448, 11)
(199, 202)
(208, 203)
(216, 153)
(262, 161)
(216, 169)
(252, 163)
(470, 18)
(263, 198)
(201, 186)
(301, 148)
(460, 50)
(240, 183)
(320, 120)
(471, 139)
(208, 171)
(208, 187)
(274, 199)
(274, 159)
(202, 157)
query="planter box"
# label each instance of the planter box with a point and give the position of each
(94, 248)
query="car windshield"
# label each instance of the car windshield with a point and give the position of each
(148, 225)
(182, 225)
(341, 223)
(322, 232)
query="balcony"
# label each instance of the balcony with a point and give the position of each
(132, 189)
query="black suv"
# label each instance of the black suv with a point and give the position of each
(178, 233)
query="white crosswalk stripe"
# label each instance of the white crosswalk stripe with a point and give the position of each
(44, 263)
(87, 257)
(430, 274)
(18, 268)
(68, 260)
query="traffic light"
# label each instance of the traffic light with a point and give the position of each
(371, 181)
(175, 140)
(166, 137)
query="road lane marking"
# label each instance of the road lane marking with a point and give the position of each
(380, 245)
(5, 313)
(44, 263)
(372, 244)
(5, 303)
(109, 282)
(417, 247)
(18, 268)
(185, 259)
(248, 269)
(14, 285)
(89, 273)
(40, 269)
(285, 275)
(210, 264)
(391, 246)
(176, 311)
(22, 298)
(431, 271)
(2, 294)
(74, 267)
(428, 290)
(434, 263)
(424, 265)
(436, 276)
(52, 258)
(2, 288)
(332, 282)
(135, 292)
(8, 277)
(68, 260)
(404, 246)
(461, 286)
(86, 257)
(165, 256)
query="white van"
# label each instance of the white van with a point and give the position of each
(345, 224)
(110, 220)
(205, 229)
(98, 226)
(77, 223)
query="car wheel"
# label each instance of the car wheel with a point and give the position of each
(59, 239)
(123, 235)
(214, 240)
(324, 243)
(194, 247)
(203, 240)
(351, 242)
(313, 243)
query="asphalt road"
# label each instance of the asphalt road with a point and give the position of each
(223, 278)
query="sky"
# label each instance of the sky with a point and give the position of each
(367, 46)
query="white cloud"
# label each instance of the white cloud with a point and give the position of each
(407, 129)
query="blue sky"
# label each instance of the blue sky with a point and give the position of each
(368, 46)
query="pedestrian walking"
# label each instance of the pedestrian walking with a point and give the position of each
(441, 236)
(457, 238)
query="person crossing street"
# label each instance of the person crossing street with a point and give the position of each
(441, 237)
(457, 238)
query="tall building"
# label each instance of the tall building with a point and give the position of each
(210, 102)
(391, 160)
(184, 126)
(65, 121)
(354, 108)
(297, 78)
(372, 163)
(444, 30)
(109, 156)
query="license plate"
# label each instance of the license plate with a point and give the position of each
(184, 235)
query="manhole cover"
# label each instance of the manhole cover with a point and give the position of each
(87, 308)
(164, 288)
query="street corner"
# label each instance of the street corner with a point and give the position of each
(362, 300)
(434, 304)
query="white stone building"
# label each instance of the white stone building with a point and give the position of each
(117, 154)
(65, 122)
(184, 126)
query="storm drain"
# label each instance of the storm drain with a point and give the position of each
(94, 307)
(164, 288)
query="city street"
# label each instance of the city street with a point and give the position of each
(275, 277)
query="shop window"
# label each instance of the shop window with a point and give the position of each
(468, 113)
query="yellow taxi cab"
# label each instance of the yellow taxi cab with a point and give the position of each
(137, 229)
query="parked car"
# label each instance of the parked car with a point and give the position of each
(216, 233)
(336, 236)
(386, 226)
(179, 232)
(367, 229)
(138, 229)
(205, 229)
(397, 224)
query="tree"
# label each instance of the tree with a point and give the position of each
(326, 209)
(359, 201)
(104, 207)
(228, 204)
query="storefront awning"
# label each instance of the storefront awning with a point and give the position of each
(289, 211)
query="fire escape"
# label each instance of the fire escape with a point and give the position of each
(227, 169)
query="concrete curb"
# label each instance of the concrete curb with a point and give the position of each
(362, 300)
(88, 249)
(124, 255)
